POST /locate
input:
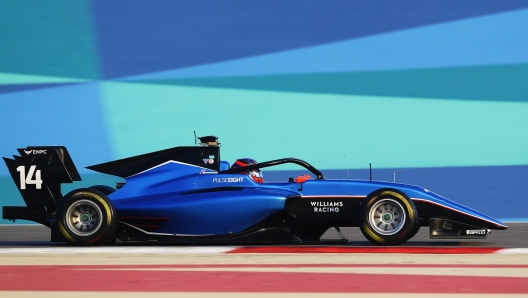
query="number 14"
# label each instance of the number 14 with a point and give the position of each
(28, 179)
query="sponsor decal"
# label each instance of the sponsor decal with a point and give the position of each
(207, 171)
(322, 206)
(476, 232)
(28, 152)
(326, 209)
(211, 161)
(228, 180)
(205, 160)
(325, 204)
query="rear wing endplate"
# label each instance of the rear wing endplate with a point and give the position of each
(38, 173)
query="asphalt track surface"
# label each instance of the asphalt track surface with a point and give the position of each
(27, 271)
(515, 236)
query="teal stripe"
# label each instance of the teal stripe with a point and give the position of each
(48, 38)
(320, 128)
(493, 83)
(16, 79)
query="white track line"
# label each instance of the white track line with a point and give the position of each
(518, 251)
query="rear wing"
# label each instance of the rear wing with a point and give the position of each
(38, 173)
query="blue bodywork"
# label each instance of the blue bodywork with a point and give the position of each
(196, 201)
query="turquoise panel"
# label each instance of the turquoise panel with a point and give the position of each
(320, 128)
(51, 38)
(17, 79)
(498, 82)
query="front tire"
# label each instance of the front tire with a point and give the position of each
(86, 217)
(415, 231)
(388, 218)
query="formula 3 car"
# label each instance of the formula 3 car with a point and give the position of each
(187, 194)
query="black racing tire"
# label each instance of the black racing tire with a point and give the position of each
(106, 190)
(86, 216)
(388, 217)
(416, 229)
(103, 188)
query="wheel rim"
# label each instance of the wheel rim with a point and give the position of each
(387, 217)
(84, 218)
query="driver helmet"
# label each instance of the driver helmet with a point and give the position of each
(255, 174)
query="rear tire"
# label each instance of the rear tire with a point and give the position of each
(86, 217)
(388, 217)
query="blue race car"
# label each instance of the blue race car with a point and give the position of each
(187, 194)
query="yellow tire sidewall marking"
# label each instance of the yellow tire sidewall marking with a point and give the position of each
(372, 234)
(65, 232)
(403, 199)
(105, 205)
(369, 231)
